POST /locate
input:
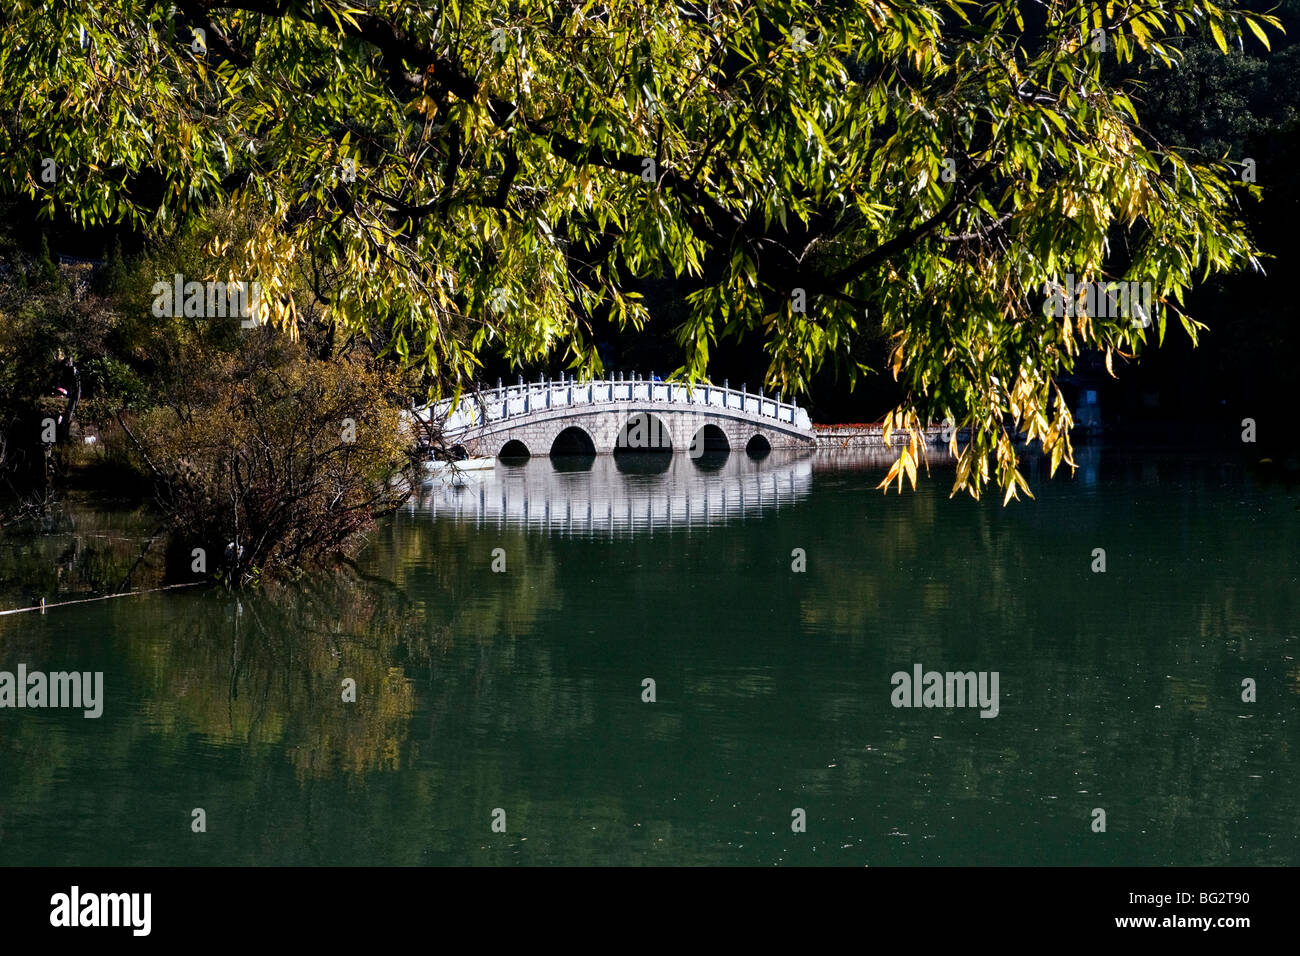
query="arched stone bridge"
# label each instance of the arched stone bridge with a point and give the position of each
(603, 416)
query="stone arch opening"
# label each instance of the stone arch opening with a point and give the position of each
(573, 441)
(710, 447)
(514, 451)
(758, 448)
(709, 438)
(643, 433)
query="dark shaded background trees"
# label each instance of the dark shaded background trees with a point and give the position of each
(267, 450)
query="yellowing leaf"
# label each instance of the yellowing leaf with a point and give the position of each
(1217, 32)
(1256, 29)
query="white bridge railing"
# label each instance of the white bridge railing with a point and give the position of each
(503, 403)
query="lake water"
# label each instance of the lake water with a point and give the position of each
(516, 695)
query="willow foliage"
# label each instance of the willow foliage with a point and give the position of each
(479, 175)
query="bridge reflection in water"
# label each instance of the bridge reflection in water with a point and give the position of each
(623, 494)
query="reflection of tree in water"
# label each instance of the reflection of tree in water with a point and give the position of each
(269, 668)
(421, 556)
(479, 607)
(79, 551)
